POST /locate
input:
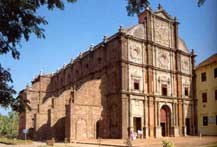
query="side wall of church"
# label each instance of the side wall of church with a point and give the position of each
(126, 83)
(74, 102)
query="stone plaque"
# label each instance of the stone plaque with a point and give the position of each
(161, 32)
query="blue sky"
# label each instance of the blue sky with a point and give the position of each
(81, 24)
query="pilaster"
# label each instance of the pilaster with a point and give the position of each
(69, 130)
(146, 129)
(157, 117)
(194, 105)
(151, 121)
(125, 116)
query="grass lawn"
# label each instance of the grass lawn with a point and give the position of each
(214, 145)
(14, 141)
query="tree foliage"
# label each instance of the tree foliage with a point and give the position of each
(137, 6)
(9, 125)
(18, 19)
(20, 104)
(6, 91)
(200, 2)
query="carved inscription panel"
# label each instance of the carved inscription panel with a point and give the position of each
(137, 107)
(161, 32)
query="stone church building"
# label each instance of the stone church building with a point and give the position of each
(137, 79)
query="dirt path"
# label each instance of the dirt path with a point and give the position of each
(178, 141)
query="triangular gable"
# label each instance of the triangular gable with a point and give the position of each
(162, 13)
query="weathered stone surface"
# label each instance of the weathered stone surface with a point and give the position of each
(121, 85)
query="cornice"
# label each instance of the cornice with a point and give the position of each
(148, 42)
(129, 93)
(147, 66)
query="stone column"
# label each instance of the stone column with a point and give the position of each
(172, 121)
(192, 129)
(125, 116)
(35, 127)
(176, 32)
(151, 117)
(177, 117)
(148, 24)
(194, 105)
(130, 115)
(145, 129)
(157, 117)
(180, 117)
(175, 128)
(69, 131)
(183, 117)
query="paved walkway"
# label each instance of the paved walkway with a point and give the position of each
(178, 141)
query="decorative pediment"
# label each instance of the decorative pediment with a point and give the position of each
(164, 79)
(163, 13)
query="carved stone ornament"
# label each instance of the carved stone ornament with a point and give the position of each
(135, 52)
(161, 32)
(163, 60)
(163, 79)
(185, 65)
(137, 107)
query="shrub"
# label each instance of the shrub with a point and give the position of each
(66, 140)
(167, 143)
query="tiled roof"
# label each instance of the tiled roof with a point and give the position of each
(209, 60)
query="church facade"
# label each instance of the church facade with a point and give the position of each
(139, 79)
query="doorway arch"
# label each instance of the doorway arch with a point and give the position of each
(165, 120)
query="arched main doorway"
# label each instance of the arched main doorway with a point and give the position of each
(165, 117)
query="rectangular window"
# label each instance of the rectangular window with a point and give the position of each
(52, 102)
(215, 73)
(33, 123)
(99, 60)
(204, 97)
(203, 76)
(136, 84)
(164, 89)
(186, 91)
(205, 121)
(216, 119)
(38, 108)
(215, 94)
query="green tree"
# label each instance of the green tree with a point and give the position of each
(3, 125)
(13, 124)
(18, 19)
(137, 6)
(9, 125)
(6, 91)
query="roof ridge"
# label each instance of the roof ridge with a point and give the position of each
(207, 60)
